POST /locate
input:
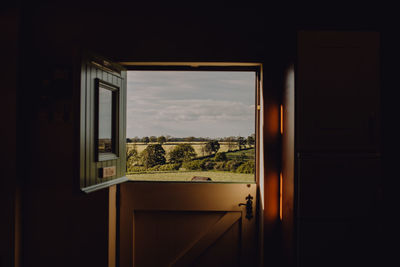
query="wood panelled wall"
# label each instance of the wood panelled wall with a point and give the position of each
(9, 198)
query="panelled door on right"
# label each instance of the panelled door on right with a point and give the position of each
(337, 147)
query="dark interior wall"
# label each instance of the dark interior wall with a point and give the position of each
(390, 68)
(9, 21)
(60, 223)
(150, 32)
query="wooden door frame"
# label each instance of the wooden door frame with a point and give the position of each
(263, 208)
(257, 67)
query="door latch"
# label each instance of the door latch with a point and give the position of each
(249, 207)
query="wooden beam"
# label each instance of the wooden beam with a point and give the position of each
(168, 196)
(193, 64)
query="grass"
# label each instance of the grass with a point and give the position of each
(216, 176)
(249, 154)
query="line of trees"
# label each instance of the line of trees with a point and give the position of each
(232, 141)
(154, 154)
(162, 139)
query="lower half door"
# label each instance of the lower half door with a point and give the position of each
(193, 224)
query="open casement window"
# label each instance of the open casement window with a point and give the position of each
(102, 123)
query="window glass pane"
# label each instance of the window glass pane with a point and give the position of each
(105, 121)
(191, 125)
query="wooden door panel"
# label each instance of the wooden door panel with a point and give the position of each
(208, 238)
(187, 238)
(165, 235)
(338, 186)
(224, 252)
(340, 242)
(337, 91)
(175, 224)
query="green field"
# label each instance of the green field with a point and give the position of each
(248, 154)
(218, 174)
(187, 176)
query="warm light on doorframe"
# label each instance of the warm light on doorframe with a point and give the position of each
(280, 195)
(281, 119)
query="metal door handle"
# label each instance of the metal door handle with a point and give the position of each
(249, 207)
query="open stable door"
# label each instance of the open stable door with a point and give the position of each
(187, 220)
(102, 123)
(177, 224)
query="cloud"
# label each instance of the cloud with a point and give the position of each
(203, 110)
(213, 104)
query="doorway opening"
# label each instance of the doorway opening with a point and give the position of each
(193, 122)
(196, 222)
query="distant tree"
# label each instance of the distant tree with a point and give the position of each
(220, 156)
(161, 140)
(154, 154)
(212, 146)
(241, 142)
(247, 167)
(153, 139)
(250, 140)
(190, 139)
(135, 139)
(132, 156)
(182, 152)
(128, 140)
(146, 139)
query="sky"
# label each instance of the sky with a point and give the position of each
(190, 103)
